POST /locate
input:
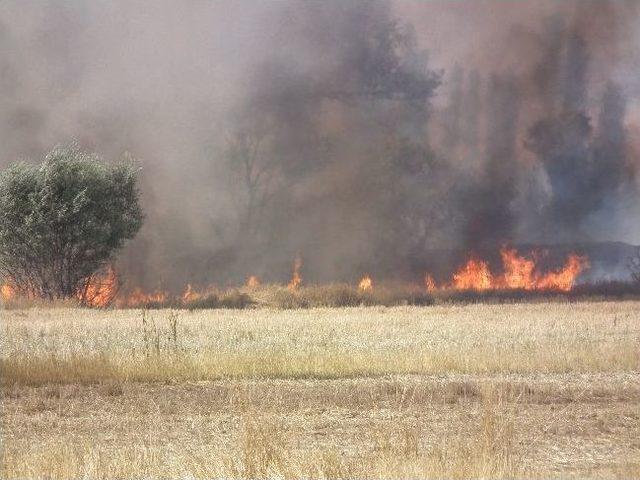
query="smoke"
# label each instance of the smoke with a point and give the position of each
(549, 172)
(358, 135)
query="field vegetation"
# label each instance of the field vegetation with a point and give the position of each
(513, 390)
(339, 295)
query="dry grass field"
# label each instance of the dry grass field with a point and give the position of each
(519, 390)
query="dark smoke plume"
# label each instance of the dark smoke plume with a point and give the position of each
(360, 135)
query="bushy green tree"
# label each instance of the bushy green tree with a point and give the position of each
(63, 220)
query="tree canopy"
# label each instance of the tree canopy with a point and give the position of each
(63, 220)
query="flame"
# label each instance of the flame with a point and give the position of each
(296, 279)
(138, 298)
(190, 294)
(365, 284)
(475, 275)
(429, 283)
(518, 273)
(100, 289)
(564, 279)
(7, 292)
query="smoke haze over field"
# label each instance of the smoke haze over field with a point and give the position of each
(359, 135)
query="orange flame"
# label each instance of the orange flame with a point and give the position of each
(190, 294)
(296, 279)
(7, 292)
(565, 278)
(138, 298)
(101, 289)
(253, 282)
(429, 283)
(518, 273)
(365, 284)
(475, 275)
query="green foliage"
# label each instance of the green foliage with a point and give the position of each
(63, 220)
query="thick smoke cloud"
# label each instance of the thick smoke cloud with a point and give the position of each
(358, 135)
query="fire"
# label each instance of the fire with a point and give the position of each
(296, 279)
(138, 298)
(475, 275)
(518, 273)
(564, 278)
(429, 283)
(190, 294)
(365, 284)
(101, 288)
(7, 292)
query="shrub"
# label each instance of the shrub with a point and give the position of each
(234, 299)
(63, 220)
(229, 299)
(339, 295)
(390, 296)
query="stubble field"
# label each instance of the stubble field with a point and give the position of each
(519, 390)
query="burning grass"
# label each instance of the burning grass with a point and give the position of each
(474, 281)
(518, 273)
(339, 295)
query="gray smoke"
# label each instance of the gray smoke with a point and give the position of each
(358, 135)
